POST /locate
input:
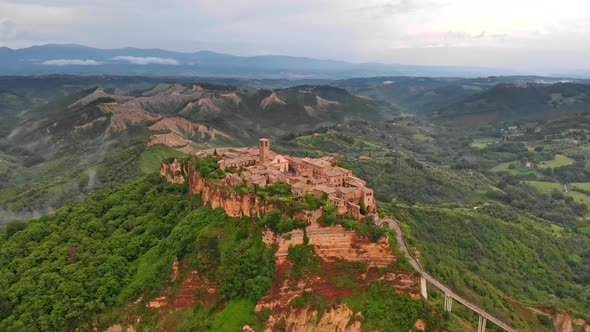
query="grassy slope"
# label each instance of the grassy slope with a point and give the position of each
(151, 159)
(520, 259)
(558, 161)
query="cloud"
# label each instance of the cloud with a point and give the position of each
(28, 14)
(400, 7)
(147, 60)
(358, 31)
(6, 28)
(71, 62)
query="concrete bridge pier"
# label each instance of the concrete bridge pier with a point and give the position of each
(423, 289)
(448, 303)
(481, 326)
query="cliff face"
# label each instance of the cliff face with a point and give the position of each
(333, 244)
(234, 204)
(335, 247)
(217, 195)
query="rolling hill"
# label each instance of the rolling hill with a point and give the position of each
(72, 144)
(422, 96)
(510, 102)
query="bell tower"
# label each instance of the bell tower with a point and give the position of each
(264, 147)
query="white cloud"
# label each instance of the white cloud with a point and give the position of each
(146, 60)
(443, 32)
(6, 28)
(71, 62)
(30, 14)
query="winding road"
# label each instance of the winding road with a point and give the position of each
(394, 224)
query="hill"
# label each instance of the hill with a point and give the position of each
(67, 141)
(150, 255)
(82, 60)
(424, 95)
(510, 102)
(98, 112)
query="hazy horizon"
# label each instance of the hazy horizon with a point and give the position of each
(527, 36)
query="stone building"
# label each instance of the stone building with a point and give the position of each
(260, 166)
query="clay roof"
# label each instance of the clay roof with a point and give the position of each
(325, 189)
(295, 160)
(299, 185)
(336, 171)
(319, 162)
(237, 160)
(356, 181)
(298, 178)
(347, 189)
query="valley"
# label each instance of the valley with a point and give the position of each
(495, 207)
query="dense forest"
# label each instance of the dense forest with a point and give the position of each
(63, 270)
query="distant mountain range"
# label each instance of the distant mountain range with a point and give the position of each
(82, 60)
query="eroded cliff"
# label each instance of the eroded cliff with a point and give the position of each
(219, 194)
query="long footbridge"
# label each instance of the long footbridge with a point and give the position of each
(427, 278)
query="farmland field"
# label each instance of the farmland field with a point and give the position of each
(558, 161)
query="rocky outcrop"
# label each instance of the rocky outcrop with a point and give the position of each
(271, 100)
(563, 323)
(233, 203)
(97, 94)
(169, 139)
(333, 244)
(186, 128)
(119, 328)
(233, 97)
(221, 195)
(308, 320)
(172, 172)
(325, 102)
(122, 116)
(193, 289)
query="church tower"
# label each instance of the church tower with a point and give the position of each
(264, 147)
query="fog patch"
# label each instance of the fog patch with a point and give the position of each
(24, 128)
(96, 156)
(91, 173)
(7, 216)
(15, 132)
(146, 60)
(71, 62)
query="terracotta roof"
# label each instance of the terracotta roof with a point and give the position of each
(336, 171)
(347, 189)
(325, 189)
(318, 162)
(299, 185)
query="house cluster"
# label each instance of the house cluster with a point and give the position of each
(319, 176)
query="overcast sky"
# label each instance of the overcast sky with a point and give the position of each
(525, 34)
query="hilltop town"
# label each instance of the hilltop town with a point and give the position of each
(322, 177)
